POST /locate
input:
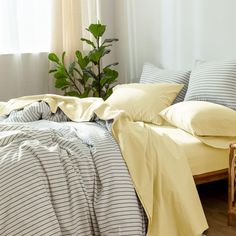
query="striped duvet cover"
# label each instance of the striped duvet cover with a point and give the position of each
(63, 178)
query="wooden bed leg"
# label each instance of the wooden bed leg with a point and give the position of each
(229, 219)
(231, 183)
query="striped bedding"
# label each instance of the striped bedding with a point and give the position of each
(63, 178)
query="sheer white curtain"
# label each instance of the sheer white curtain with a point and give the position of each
(170, 33)
(29, 30)
(24, 40)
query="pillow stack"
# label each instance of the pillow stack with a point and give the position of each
(212, 81)
(153, 74)
(195, 96)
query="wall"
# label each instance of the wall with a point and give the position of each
(170, 33)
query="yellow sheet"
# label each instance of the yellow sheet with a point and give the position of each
(158, 168)
(202, 158)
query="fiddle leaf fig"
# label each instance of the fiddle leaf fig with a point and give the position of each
(61, 83)
(85, 76)
(88, 42)
(97, 30)
(53, 57)
(83, 61)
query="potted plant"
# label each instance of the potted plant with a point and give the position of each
(86, 76)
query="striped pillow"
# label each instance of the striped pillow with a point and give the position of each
(213, 82)
(152, 74)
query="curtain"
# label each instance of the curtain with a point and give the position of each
(69, 20)
(171, 34)
(24, 41)
(29, 30)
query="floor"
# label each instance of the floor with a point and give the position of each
(214, 200)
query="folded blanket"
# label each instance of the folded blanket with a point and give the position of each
(159, 170)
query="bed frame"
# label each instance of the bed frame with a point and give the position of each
(229, 173)
(211, 176)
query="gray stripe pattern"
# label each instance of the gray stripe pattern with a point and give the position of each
(213, 82)
(152, 74)
(70, 180)
(37, 111)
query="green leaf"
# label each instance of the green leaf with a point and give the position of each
(72, 94)
(108, 93)
(64, 88)
(95, 85)
(88, 42)
(89, 73)
(60, 74)
(63, 58)
(82, 61)
(96, 54)
(109, 76)
(51, 71)
(79, 73)
(71, 68)
(53, 57)
(112, 64)
(95, 93)
(86, 92)
(110, 40)
(97, 30)
(61, 83)
(106, 51)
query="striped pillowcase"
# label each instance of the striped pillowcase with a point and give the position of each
(152, 74)
(213, 82)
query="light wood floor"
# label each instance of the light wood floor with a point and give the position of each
(214, 200)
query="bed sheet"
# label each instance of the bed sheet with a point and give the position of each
(201, 157)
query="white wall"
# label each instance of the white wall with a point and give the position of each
(170, 33)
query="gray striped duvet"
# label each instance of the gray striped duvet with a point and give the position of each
(63, 178)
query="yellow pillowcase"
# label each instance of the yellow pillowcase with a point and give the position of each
(202, 118)
(143, 102)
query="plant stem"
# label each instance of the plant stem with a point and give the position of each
(71, 79)
(99, 72)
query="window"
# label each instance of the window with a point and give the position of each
(25, 26)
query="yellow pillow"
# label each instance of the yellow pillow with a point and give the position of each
(202, 118)
(143, 102)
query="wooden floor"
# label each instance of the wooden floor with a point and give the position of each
(214, 200)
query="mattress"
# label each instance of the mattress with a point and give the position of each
(201, 157)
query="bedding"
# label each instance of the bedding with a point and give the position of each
(152, 74)
(63, 178)
(202, 118)
(143, 102)
(213, 81)
(159, 172)
(201, 158)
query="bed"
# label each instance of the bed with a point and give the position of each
(47, 189)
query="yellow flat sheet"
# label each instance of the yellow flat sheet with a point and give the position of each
(202, 158)
(158, 167)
